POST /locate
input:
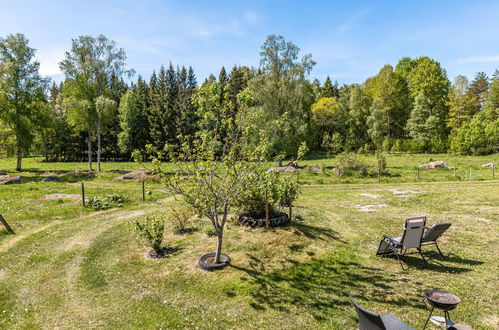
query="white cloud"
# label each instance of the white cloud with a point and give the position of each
(478, 59)
(350, 23)
(49, 61)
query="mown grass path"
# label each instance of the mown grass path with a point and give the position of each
(85, 269)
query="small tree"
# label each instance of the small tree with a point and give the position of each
(151, 231)
(209, 175)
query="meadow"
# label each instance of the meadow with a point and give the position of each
(73, 267)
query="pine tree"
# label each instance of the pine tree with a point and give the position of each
(154, 113)
(479, 87)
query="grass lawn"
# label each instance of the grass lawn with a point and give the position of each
(69, 267)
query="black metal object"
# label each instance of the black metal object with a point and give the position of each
(442, 300)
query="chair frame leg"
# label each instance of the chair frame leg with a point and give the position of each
(422, 256)
(439, 251)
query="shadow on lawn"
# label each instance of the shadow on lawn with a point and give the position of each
(437, 264)
(319, 286)
(314, 232)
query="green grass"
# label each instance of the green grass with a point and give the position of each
(69, 267)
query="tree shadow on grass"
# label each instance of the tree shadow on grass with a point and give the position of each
(319, 286)
(437, 264)
(314, 232)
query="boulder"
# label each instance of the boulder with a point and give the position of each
(139, 175)
(435, 165)
(10, 179)
(51, 178)
(283, 169)
(489, 165)
(316, 169)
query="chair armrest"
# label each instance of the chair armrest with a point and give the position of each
(391, 240)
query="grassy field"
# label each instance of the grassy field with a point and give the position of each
(69, 267)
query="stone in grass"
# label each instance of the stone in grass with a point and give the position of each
(10, 179)
(488, 165)
(435, 165)
(51, 178)
(163, 252)
(283, 169)
(316, 169)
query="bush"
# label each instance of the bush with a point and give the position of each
(350, 162)
(379, 164)
(180, 218)
(151, 231)
(110, 201)
(279, 190)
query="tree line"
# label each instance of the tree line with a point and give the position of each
(99, 109)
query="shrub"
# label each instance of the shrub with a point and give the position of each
(379, 164)
(350, 162)
(111, 200)
(278, 190)
(98, 204)
(180, 218)
(151, 231)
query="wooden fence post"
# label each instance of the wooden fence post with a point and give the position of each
(6, 225)
(470, 174)
(417, 173)
(143, 191)
(83, 194)
(455, 168)
(493, 170)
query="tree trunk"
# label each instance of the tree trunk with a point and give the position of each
(89, 151)
(98, 143)
(290, 204)
(267, 217)
(220, 235)
(19, 155)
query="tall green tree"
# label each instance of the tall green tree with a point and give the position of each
(330, 90)
(359, 104)
(22, 91)
(280, 98)
(462, 104)
(328, 119)
(92, 62)
(423, 124)
(393, 96)
(479, 87)
(131, 114)
(426, 76)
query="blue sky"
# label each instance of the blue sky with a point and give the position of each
(349, 40)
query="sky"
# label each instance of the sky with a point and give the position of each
(349, 40)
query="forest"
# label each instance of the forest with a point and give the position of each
(102, 110)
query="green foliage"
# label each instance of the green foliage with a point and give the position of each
(179, 217)
(278, 112)
(423, 125)
(379, 163)
(113, 200)
(22, 92)
(269, 187)
(350, 162)
(478, 137)
(151, 230)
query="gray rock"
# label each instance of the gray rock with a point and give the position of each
(434, 165)
(10, 179)
(51, 178)
(489, 165)
(316, 169)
